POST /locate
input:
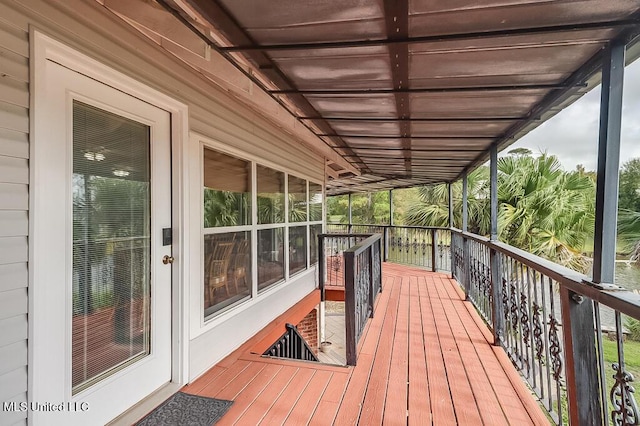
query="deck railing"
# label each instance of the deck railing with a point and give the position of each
(291, 345)
(331, 248)
(428, 247)
(363, 282)
(352, 262)
(565, 334)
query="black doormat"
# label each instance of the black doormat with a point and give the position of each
(185, 409)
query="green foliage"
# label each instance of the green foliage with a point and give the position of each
(367, 208)
(225, 208)
(431, 206)
(541, 208)
(338, 209)
(633, 326)
(629, 192)
(117, 205)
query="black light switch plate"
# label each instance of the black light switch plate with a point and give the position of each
(167, 238)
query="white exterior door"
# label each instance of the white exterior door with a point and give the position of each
(102, 331)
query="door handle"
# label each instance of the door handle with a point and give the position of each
(167, 259)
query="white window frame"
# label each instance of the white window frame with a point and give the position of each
(205, 324)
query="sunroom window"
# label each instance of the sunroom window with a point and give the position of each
(227, 230)
(260, 228)
(271, 212)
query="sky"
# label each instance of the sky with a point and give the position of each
(572, 135)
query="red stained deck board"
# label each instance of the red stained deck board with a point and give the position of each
(351, 406)
(263, 402)
(425, 358)
(465, 404)
(204, 380)
(309, 399)
(418, 404)
(212, 388)
(287, 400)
(249, 394)
(325, 414)
(395, 411)
(439, 394)
(374, 402)
(486, 399)
(233, 388)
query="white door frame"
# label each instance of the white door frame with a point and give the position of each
(45, 48)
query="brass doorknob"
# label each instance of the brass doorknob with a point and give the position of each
(167, 259)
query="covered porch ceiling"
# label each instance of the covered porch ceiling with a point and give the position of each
(414, 92)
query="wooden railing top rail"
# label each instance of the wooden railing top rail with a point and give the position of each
(363, 245)
(390, 226)
(616, 297)
(345, 235)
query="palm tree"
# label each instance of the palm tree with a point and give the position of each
(629, 233)
(542, 208)
(545, 210)
(226, 208)
(430, 207)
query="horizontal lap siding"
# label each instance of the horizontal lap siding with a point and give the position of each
(87, 27)
(14, 225)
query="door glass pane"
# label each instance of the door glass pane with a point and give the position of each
(111, 244)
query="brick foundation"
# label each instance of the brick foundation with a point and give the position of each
(308, 328)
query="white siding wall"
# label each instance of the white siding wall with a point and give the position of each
(91, 29)
(14, 179)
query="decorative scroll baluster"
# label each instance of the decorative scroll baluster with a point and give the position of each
(336, 260)
(486, 283)
(524, 319)
(514, 306)
(537, 333)
(555, 349)
(505, 297)
(625, 409)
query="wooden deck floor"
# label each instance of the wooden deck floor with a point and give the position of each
(425, 358)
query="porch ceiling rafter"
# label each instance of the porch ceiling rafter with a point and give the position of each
(439, 38)
(217, 15)
(394, 79)
(396, 16)
(400, 90)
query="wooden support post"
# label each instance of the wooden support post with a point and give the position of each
(581, 360)
(497, 312)
(466, 270)
(350, 308)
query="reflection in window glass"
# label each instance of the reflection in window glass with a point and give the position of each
(297, 199)
(314, 231)
(270, 195)
(315, 202)
(297, 249)
(270, 256)
(227, 190)
(227, 269)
